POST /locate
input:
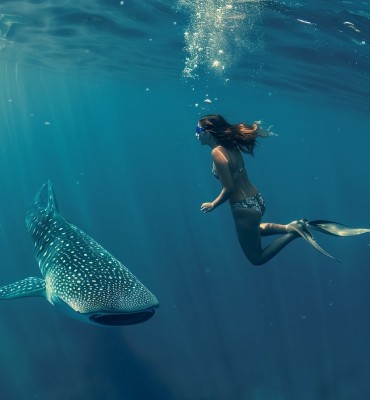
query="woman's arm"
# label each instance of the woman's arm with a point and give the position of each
(223, 169)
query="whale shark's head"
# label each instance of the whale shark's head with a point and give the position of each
(44, 207)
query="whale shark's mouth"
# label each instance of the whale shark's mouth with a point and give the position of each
(122, 319)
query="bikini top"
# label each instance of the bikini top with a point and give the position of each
(238, 171)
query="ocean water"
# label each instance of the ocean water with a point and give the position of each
(102, 97)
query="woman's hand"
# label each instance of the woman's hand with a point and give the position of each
(207, 207)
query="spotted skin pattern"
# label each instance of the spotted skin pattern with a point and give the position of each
(80, 276)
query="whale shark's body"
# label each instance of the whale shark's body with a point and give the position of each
(79, 276)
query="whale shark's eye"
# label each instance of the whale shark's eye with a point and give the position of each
(122, 319)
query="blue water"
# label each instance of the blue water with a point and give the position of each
(102, 98)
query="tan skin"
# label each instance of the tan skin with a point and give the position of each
(236, 186)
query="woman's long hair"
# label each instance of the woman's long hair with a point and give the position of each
(242, 136)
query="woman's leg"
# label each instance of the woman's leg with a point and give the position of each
(268, 229)
(248, 229)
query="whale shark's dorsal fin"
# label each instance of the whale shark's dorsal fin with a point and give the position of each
(51, 205)
(52, 201)
(28, 287)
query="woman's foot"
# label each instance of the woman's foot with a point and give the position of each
(299, 227)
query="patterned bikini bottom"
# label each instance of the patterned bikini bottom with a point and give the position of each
(254, 202)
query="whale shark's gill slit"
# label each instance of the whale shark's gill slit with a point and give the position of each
(122, 319)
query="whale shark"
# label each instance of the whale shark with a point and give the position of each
(79, 277)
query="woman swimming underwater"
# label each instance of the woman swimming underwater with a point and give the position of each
(227, 142)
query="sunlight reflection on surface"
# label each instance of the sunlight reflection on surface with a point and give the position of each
(217, 32)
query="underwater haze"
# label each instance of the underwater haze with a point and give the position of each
(102, 97)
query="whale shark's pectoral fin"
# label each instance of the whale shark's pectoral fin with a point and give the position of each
(300, 228)
(28, 287)
(335, 229)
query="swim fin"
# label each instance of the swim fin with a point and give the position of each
(300, 227)
(334, 228)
